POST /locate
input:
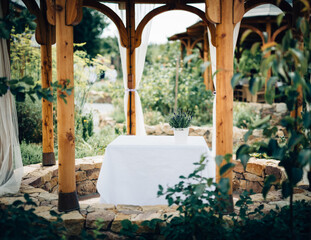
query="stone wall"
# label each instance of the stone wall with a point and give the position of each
(87, 171)
(253, 177)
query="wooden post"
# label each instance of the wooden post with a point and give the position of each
(45, 31)
(67, 199)
(224, 91)
(207, 75)
(130, 62)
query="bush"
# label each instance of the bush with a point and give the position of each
(244, 115)
(153, 117)
(18, 223)
(29, 116)
(31, 153)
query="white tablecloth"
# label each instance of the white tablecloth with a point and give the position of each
(134, 166)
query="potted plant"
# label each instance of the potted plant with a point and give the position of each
(180, 122)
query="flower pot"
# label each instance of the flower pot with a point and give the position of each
(181, 135)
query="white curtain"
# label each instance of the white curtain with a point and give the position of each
(140, 11)
(11, 166)
(212, 49)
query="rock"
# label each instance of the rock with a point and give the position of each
(33, 181)
(122, 207)
(150, 130)
(280, 108)
(85, 188)
(278, 172)
(85, 167)
(32, 190)
(101, 206)
(51, 184)
(256, 166)
(252, 177)
(116, 225)
(92, 174)
(255, 186)
(104, 217)
(45, 196)
(238, 166)
(80, 176)
(73, 222)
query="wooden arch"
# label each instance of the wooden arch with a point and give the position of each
(169, 7)
(284, 5)
(255, 30)
(113, 16)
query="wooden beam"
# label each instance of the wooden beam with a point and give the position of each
(207, 75)
(74, 12)
(67, 199)
(131, 68)
(44, 33)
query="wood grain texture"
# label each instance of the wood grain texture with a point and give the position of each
(224, 95)
(51, 12)
(238, 11)
(207, 75)
(131, 67)
(74, 12)
(213, 10)
(65, 111)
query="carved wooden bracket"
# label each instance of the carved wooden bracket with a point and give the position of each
(213, 10)
(74, 12)
(238, 11)
(51, 12)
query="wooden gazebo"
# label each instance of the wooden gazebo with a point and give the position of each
(55, 21)
(258, 25)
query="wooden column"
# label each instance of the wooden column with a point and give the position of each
(207, 75)
(130, 62)
(224, 91)
(67, 199)
(44, 34)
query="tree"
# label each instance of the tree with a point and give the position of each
(89, 31)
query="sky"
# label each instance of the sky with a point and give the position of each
(164, 25)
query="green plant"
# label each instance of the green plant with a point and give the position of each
(18, 221)
(180, 119)
(31, 153)
(153, 117)
(202, 204)
(289, 63)
(29, 121)
(243, 115)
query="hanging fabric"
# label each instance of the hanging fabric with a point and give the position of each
(11, 166)
(212, 49)
(140, 11)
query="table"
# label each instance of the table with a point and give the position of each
(134, 166)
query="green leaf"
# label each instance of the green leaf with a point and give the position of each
(248, 134)
(294, 140)
(286, 189)
(304, 157)
(235, 79)
(223, 185)
(296, 175)
(255, 47)
(199, 189)
(226, 168)
(279, 19)
(267, 185)
(243, 154)
(219, 159)
(307, 120)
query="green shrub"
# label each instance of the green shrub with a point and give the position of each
(153, 117)
(244, 115)
(18, 223)
(29, 116)
(31, 153)
(202, 214)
